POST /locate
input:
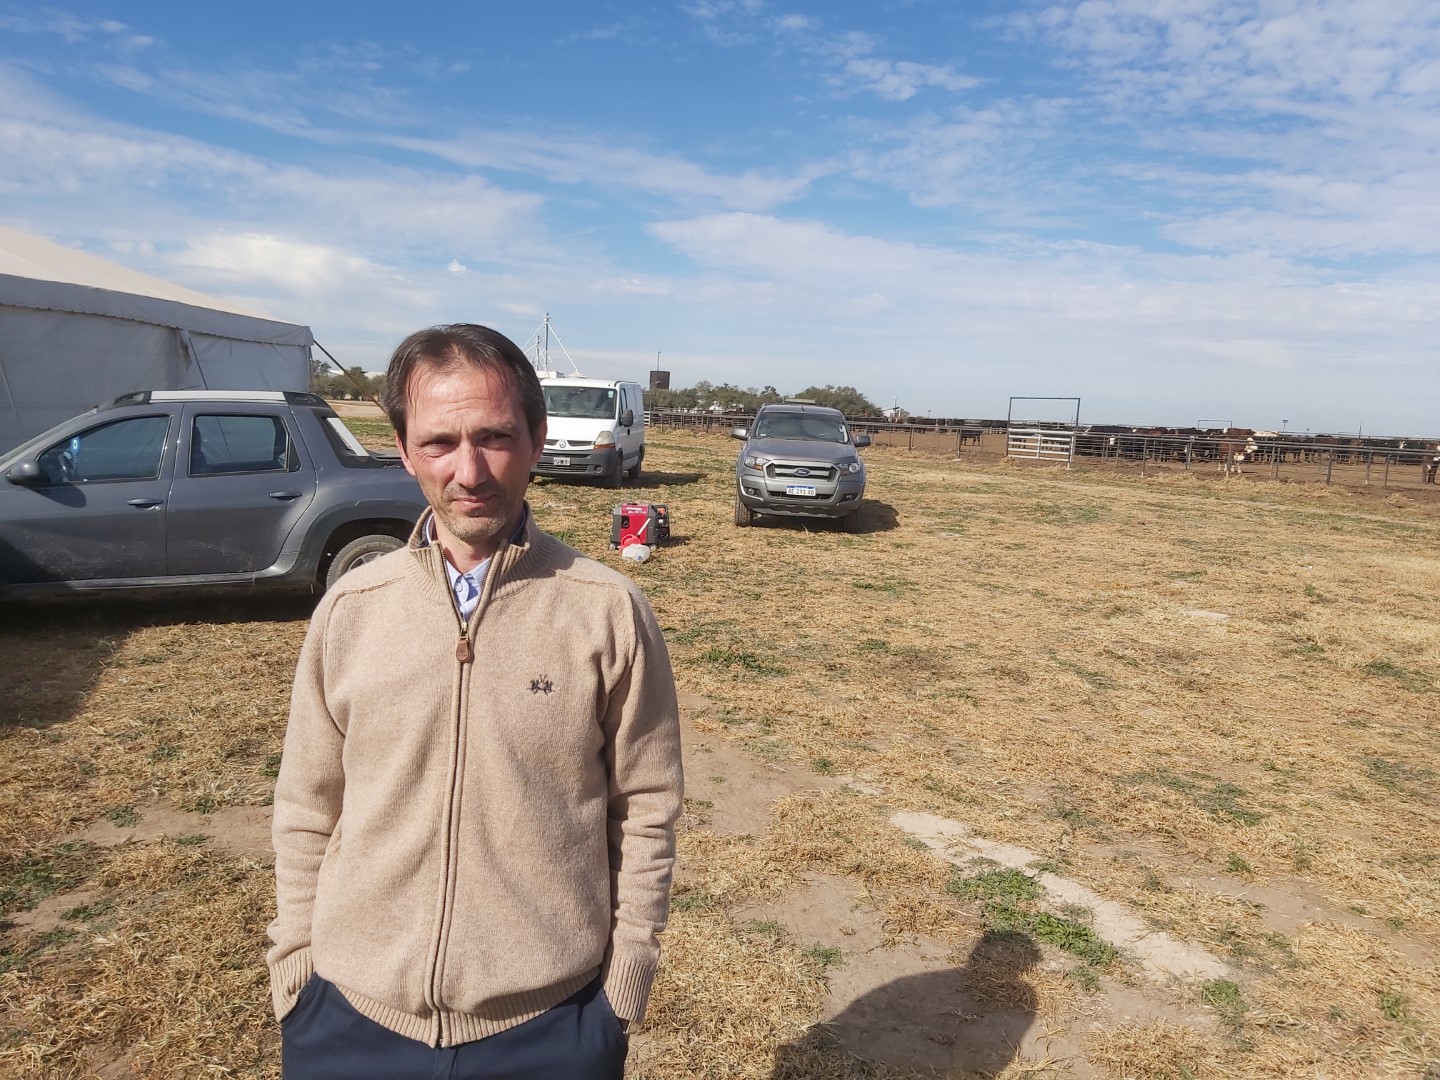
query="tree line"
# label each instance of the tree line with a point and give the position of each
(705, 396)
(353, 384)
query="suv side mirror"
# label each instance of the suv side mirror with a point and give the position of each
(627, 418)
(862, 440)
(739, 433)
(25, 473)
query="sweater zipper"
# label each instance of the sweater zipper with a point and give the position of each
(464, 654)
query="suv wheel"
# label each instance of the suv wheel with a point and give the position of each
(744, 516)
(358, 551)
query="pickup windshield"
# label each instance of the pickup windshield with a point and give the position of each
(583, 402)
(801, 427)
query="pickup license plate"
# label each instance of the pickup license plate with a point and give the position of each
(563, 462)
(799, 489)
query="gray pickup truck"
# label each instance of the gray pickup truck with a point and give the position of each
(204, 487)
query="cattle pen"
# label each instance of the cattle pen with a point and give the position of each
(1348, 461)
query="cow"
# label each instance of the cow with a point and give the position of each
(1237, 446)
(1430, 464)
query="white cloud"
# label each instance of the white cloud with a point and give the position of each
(457, 267)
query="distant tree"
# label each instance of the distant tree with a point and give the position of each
(350, 385)
(845, 398)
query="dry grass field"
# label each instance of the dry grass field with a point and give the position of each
(1041, 774)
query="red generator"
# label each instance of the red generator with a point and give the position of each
(639, 523)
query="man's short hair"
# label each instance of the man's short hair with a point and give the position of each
(445, 348)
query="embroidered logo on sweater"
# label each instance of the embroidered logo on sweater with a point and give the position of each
(541, 685)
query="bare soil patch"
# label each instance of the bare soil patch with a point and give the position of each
(1213, 707)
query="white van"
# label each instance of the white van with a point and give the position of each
(595, 428)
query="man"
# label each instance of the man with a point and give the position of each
(474, 819)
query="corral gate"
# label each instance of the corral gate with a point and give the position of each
(1041, 440)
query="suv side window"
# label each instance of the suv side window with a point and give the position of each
(222, 444)
(128, 449)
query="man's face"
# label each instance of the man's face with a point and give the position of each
(468, 444)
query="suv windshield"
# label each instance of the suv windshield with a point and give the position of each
(584, 402)
(801, 426)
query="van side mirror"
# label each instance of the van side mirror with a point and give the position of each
(627, 418)
(739, 433)
(862, 440)
(25, 473)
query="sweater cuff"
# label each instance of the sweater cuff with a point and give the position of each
(287, 978)
(627, 986)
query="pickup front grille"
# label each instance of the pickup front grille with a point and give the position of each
(800, 474)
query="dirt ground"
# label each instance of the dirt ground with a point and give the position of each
(1041, 774)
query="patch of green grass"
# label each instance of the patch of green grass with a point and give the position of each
(824, 957)
(1223, 801)
(1159, 778)
(695, 901)
(30, 880)
(824, 766)
(1071, 935)
(122, 817)
(724, 656)
(1394, 1005)
(916, 843)
(1225, 998)
(1001, 884)
(873, 645)
(16, 959)
(1385, 669)
(89, 912)
(1185, 575)
(565, 536)
(192, 840)
(1403, 779)
(1315, 595)
(945, 789)
(773, 751)
(1085, 976)
(1234, 864)
(894, 587)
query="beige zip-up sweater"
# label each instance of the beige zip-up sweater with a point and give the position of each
(472, 821)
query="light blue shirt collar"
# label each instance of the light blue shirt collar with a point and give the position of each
(467, 586)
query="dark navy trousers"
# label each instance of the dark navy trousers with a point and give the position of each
(324, 1038)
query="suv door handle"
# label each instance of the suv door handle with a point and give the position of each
(286, 494)
(144, 504)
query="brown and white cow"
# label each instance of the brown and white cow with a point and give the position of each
(1430, 463)
(1236, 448)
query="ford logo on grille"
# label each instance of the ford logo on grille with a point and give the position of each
(802, 472)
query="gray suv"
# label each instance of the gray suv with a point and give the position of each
(799, 461)
(198, 487)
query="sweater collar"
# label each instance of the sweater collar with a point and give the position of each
(429, 561)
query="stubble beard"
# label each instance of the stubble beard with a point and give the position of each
(482, 530)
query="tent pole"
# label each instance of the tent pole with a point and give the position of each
(343, 371)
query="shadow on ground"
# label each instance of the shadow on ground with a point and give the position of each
(968, 1021)
(52, 651)
(873, 517)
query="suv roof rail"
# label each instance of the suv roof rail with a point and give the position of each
(145, 397)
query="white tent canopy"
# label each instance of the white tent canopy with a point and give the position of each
(76, 330)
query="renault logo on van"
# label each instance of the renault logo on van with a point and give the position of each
(562, 445)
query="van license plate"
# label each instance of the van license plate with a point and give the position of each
(563, 462)
(799, 489)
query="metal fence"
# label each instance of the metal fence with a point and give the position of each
(1296, 461)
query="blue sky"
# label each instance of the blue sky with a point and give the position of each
(1174, 209)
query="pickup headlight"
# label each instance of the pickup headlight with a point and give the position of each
(605, 440)
(753, 461)
(851, 466)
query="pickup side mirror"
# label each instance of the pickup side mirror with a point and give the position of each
(25, 473)
(862, 440)
(739, 433)
(627, 418)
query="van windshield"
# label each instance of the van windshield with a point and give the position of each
(584, 402)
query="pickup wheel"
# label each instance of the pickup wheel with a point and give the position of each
(744, 516)
(360, 550)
